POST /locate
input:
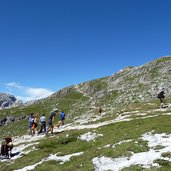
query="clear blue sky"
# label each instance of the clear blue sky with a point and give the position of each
(48, 45)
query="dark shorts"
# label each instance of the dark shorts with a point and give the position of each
(62, 118)
(35, 124)
(50, 122)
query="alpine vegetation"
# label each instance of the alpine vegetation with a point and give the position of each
(66, 131)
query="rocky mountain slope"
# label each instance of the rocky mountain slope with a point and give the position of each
(132, 133)
(127, 86)
(8, 100)
(131, 84)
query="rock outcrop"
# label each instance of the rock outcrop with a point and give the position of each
(8, 100)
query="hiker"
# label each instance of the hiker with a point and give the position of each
(43, 124)
(6, 147)
(51, 120)
(62, 117)
(161, 96)
(30, 122)
(100, 110)
(35, 123)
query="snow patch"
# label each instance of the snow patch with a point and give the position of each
(63, 159)
(119, 143)
(89, 136)
(146, 159)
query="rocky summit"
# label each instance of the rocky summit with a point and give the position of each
(8, 100)
(129, 85)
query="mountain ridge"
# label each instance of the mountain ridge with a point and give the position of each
(8, 100)
(127, 86)
(132, 132)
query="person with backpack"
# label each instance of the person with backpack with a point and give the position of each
(6, 147)
(30, 122)
(51, 121)
(62, 117)
(35, 123)
(161, 96)
(100, 110)
(43, 124)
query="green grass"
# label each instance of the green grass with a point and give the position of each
(163, 59)
(133, 168)
(167, 154)
(99, 84)
(75, 104)
(67, 142)
(15, 129)
(109, 98)
(154, 73)
(112, 134)
(65, 103)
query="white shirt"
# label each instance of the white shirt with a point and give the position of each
(42, 119)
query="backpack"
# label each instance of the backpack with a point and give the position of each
(161, 95)
(52, 115)
(62, 114)
(31, 119)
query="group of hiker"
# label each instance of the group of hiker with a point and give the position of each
(44, 128)
(46, 125)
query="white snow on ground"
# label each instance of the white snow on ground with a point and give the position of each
(119, 143)
(20, 150)
(101, 163)
(63, 159)
(119, 118)
(30, 167)
(27, 138)
(89, 118)
(146, 159)
(89, 136)
(157, 139)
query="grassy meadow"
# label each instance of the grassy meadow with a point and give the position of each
(68, 142)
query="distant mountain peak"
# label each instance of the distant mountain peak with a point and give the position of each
(8, 100)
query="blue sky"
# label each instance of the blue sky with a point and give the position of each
(46, 45)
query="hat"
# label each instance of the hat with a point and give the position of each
(55, 110)
(10, 144)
